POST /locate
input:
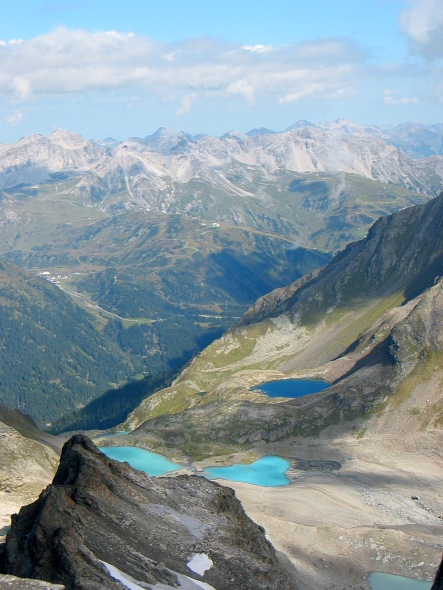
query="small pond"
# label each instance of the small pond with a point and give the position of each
(380, 581)
(267, 471)
(291, 388)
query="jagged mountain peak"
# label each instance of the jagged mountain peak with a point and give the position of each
(31, 138)
(98, 511)
(233, 133)
(300, 125)
(165, 140)
(260, 131)
(348, 126)
(67, 139)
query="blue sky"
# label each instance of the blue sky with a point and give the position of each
(126, 68)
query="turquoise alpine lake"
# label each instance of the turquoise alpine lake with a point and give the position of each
(291, 388)
(150, 463)
(380, 581)
(268, 471)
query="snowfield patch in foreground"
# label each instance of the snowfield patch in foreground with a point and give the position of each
(199, 563)
(186, 583)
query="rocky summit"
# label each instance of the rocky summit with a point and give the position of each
(101, 524)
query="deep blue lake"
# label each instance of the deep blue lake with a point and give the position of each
(291, 388)
(267, 471)
(380, 581)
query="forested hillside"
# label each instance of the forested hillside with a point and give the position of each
(53, 356)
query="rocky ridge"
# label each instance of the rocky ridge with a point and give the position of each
(153, 170)
(98, 511)
(438, 582)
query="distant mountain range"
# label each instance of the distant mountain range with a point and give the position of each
(167, 240)
(418, 140)
(154, 172)
(322, 185)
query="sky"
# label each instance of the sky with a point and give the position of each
(125, 68)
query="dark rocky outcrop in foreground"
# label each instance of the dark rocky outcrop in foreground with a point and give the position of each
(98, 510)
(438, 582)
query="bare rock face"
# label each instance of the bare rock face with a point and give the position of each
(438, 582)
(98, 510)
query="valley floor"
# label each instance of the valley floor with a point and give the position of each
(337, 527)
(380, 511)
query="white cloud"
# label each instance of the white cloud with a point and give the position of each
(11, 42)
(15, 118)
(391, 99)
(186, 103)
(21, 87)
(422, 21)
(258, 48)
(72, 62)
